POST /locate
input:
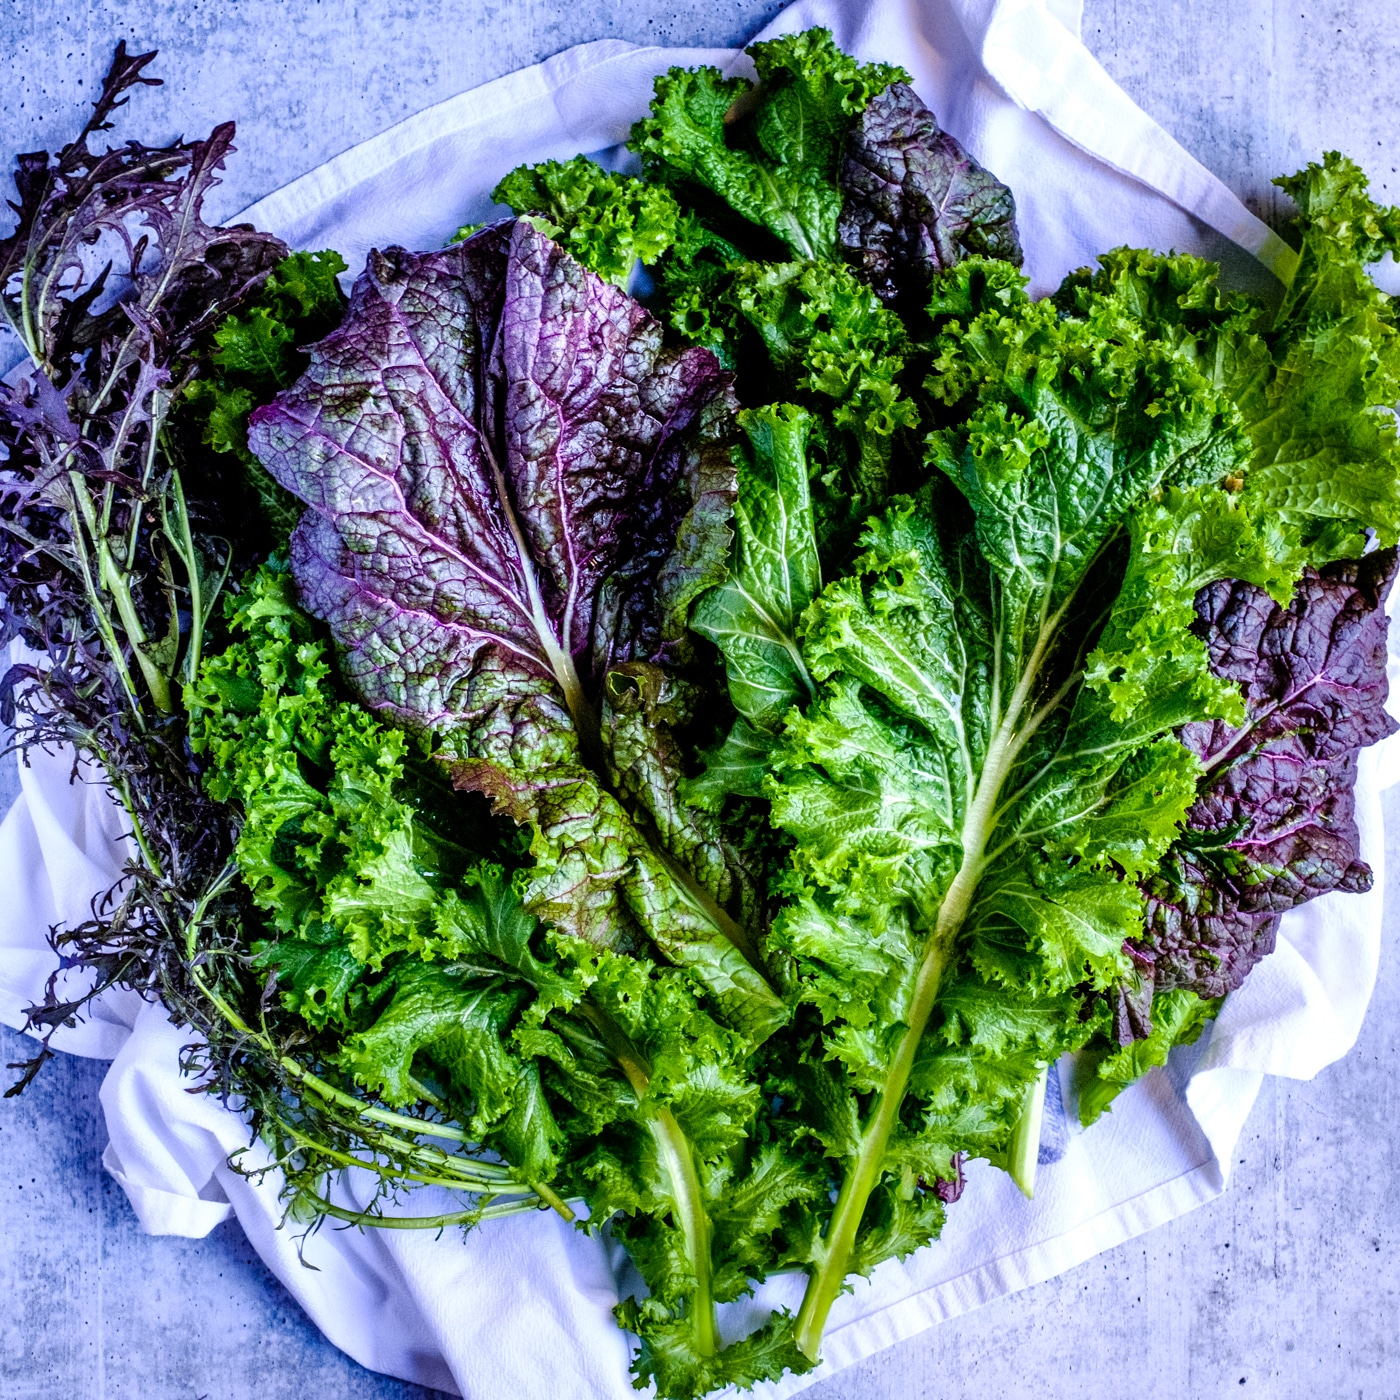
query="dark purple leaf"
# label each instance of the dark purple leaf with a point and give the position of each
(915, 201)
(500, 456)
(1274, 825)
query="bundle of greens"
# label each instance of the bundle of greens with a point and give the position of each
(696, 762)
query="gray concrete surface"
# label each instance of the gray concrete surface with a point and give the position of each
(1287, 1287)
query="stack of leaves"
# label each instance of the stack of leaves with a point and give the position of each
(710, 759)
(119, 530)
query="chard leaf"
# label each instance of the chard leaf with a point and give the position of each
(771, 152)
(915, 202)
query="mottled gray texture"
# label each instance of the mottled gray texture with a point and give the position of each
(1287, 1287)
(95, 1310)
(305, 80)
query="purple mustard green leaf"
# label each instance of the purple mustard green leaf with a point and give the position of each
(497, 451)
(516, 491)
(915, 202)
(1274, 824)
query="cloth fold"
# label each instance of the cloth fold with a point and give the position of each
(522, 1307)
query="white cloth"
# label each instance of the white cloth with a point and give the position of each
(520, 1308)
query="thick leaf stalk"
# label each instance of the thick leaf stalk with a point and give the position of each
(833, 1253)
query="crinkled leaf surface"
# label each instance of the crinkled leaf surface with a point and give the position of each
(915, 203)
(492, 444)
(838, 351)
(1319, 393)
(970, 819)
(774, 157)
(752, 617)
(1315, 382)
(607, 221)
(516, 492)
(1274, 824)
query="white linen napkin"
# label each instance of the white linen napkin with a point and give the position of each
(522, 1307)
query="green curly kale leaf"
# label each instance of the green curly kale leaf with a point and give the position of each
(600, 1074)
(256, 352)
(1315, 381)
(970, 817)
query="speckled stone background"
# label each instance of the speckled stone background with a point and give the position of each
(1287, 1287)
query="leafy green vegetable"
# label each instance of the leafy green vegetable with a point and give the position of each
(830, 342)
(915, 202)
(608, 222)
(969, 819)
(1178, 1018)
(984, 697)
(507, 562)
(1315, 382)
(753, 615)
(256, 352)
(771, 152)
(595, 1071)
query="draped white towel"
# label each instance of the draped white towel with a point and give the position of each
(522, 1307)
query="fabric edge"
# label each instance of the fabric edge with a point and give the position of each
(1012, 1273)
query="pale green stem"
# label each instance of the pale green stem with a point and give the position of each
(115, 582)
(677, 1156)
(1023, 1156)
(864, 1173)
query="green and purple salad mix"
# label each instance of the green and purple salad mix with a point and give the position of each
(693, 761)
